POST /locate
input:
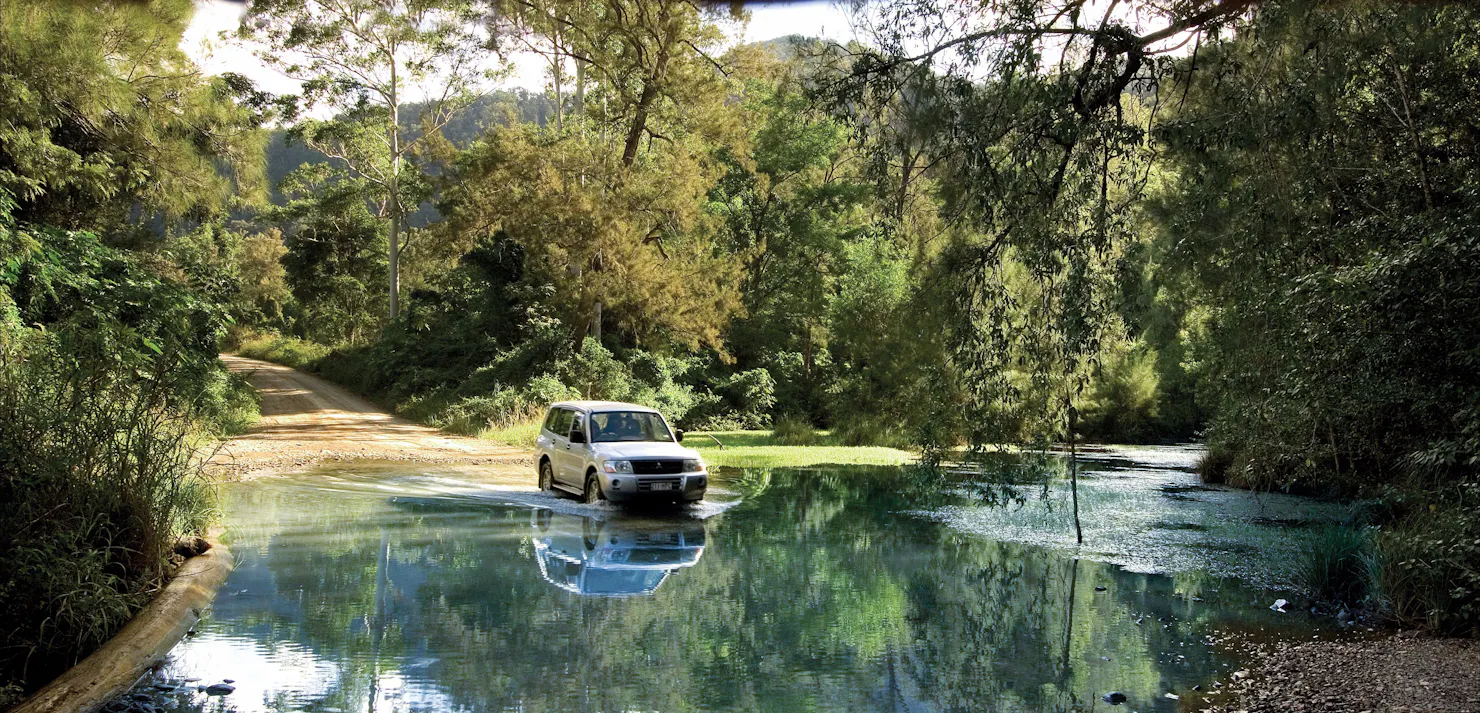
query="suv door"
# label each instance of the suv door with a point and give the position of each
(573, 455)
(559, 435)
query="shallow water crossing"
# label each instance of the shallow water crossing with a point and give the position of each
(823, 589)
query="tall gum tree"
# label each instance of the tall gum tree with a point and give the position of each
(362, 60)
(630, 165)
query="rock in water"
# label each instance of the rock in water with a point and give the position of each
(219, 689)
(1114, 698)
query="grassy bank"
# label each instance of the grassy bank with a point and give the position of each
(765, 449)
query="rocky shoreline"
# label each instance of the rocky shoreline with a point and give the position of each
(1407, 672)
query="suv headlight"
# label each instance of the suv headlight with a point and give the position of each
(693, 466)
(617, 466)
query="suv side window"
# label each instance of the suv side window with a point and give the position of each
(578, 423)
(560, 422)
(550, 419)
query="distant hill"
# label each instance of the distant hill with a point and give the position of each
(498, 108)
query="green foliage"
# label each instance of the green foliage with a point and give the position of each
(105, 116)
(1333, 246)
(276, 348)
(108, 380)
(1427, 567)
(333, 261)
(360, 58)
(1122, 403)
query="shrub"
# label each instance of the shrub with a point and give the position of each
(1214, 464)
(1124, 397)
(277, 348)
(859, 430)
(99, 407)
(1427, 569)
(742, 400)
(793, 430)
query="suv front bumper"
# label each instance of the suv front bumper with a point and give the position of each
(684, 486)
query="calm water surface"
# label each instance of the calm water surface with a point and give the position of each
(821, 589)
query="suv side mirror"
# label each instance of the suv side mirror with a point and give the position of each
(678, 433)
(577, 436)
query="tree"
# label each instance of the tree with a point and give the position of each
(106, 121)
(332, 263)
(1321, 213)
(654, 79)
(593, 229)
(361, 59)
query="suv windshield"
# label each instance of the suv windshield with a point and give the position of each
(629, 426)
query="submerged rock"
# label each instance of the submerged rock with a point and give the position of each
(1114, 698)
(219, 689)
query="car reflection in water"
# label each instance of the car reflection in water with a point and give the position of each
(619, 557)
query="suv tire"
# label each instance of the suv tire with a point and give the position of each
(592, 494)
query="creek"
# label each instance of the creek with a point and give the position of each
(377, 587)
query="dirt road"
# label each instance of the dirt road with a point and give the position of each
(306, 420)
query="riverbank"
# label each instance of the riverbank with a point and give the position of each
(147, 638)
(307, 420)
(1402, 673)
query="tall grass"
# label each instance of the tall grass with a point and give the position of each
(1338, 564)
(98, 480)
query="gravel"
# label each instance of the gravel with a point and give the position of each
(1403, 673)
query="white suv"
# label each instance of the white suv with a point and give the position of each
(604, 450)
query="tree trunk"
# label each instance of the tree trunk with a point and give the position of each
(579, 110)
(394, 203)
(596, 322)
(639, 124)
(649, 93)
(559, 98)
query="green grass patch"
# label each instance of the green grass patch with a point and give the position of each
(519, 435)
(761, 449)
(289, 351)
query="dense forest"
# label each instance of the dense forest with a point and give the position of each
(1255, 224)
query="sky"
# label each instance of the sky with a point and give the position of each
(215, 55)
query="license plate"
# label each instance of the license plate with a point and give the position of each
(662, 486)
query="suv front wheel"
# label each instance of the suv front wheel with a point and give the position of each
(592, 493)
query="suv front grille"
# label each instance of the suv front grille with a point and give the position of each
(657, 467)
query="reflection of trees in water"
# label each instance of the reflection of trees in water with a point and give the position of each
(819, 595)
